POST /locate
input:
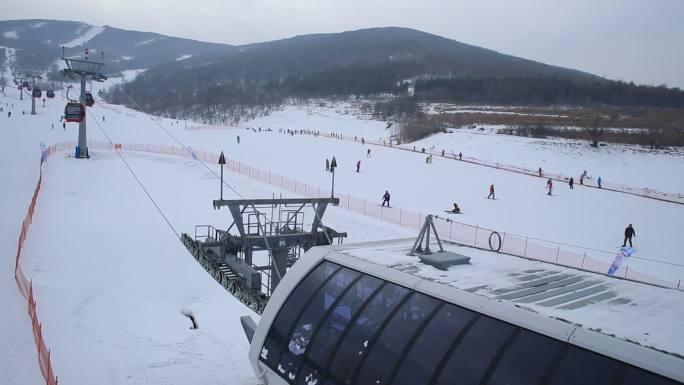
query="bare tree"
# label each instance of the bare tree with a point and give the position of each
(595, 126)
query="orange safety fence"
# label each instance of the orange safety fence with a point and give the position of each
(26, 286)
(587, 182)
(573, 256)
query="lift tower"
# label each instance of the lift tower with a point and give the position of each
(33, 76)
(83, 70)
(272, 226)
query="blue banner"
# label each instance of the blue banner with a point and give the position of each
(621, 257)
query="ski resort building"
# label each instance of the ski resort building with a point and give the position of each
(371, 314)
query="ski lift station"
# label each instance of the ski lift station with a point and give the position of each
(379, 313)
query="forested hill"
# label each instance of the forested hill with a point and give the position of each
(37, 45)
(370, 62)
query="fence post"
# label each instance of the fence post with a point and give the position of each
(503, 241)
(525, 252)
(382, 209)
(679, 283)
(451, 226)
(626, 270)
(477, 227)
(583, 258)
(557, 254)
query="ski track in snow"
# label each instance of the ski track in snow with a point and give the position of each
(93, 31)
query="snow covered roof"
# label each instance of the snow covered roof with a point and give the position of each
(639, 313)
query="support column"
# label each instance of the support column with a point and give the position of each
(33, 100)
(279, 266)
(82, 140)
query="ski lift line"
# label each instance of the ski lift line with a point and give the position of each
(140, 183)
(185, 148)
(254, 209)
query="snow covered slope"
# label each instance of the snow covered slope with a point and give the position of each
(111, 278)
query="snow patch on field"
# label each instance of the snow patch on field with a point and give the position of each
(183, 57)
(87, 36)
(126, 58)
(11, 35)
(38, 25)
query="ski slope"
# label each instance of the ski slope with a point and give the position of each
(111, 279)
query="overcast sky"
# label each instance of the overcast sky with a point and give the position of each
(630, 40)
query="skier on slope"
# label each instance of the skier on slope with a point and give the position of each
(571, 182)
(599, 182)
(386, 198)
(549, 185)
(327, 164)
(491, 193)
(629, 233)
(368, 153)
(358, 166)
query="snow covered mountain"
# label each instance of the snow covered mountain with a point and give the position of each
(39, 43)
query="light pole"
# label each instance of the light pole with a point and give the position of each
(333, 166)
(222, 161)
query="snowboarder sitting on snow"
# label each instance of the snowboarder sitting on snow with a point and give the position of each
(629, 233)
(386, 198)
(491, 193)
(456, 210)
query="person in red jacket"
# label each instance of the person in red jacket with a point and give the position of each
(491, 193)
(549, 185)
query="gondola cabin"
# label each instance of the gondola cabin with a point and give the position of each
(37, 93)
(50, 94)
(74, 112)
(89, 100)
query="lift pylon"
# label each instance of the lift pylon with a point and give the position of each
(83, 70)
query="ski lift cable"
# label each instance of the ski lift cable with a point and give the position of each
(140, 183)
(185, 148)
(254, 209)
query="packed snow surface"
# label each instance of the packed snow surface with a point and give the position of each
(111, 278)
